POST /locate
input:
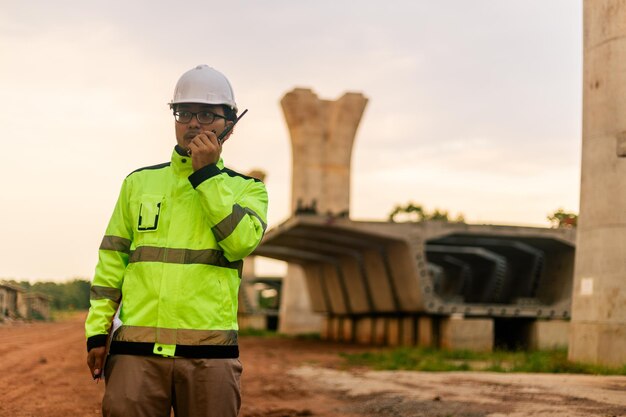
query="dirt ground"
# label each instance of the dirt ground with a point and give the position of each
(43, 374)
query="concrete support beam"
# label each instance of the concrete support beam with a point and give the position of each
(336, 293)
(313, 278)
(355, 285)
(248, 299)
(325, 329)
(296, 314)
(364, 329)
(552, 334)
(393, 331)
(602, 343)
(425, 331)
(379, 336)
(384, 295)
(409, 331)
(254, 321)
(457, 333)
(336, 329)
(347, 330)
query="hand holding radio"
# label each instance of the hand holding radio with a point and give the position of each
(206, 147)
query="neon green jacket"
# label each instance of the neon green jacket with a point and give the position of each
(172, 256)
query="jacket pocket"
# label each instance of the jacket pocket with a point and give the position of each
(147, 215)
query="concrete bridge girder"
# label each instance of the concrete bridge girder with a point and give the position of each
(359, 268)
(341, 286)
(493, 267)
(348, 271)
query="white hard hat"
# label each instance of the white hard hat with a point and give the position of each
(204, 84)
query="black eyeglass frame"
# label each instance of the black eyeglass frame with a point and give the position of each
(191, 115)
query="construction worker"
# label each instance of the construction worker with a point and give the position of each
(171, 262)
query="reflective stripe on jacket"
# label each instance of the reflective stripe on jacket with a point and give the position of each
(172, 256)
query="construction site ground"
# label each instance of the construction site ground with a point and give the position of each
(43, 374)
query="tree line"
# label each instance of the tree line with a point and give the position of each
(412, 212)
(71, 295)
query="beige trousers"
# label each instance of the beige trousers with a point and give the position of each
(150, 386)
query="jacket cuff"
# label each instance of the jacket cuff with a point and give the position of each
(98, 340)
(203, 174)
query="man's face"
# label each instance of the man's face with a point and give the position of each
(186, 131)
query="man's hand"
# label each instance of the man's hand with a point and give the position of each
(205, 150)
(95, 361)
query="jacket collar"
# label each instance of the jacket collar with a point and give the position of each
(181, 164)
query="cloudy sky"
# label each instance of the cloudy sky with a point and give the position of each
(475, 106)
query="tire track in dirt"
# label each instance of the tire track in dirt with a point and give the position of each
(472, 394)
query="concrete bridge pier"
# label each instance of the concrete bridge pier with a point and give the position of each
(322, 134)
(598, 326)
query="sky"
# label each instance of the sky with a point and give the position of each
(474, 107)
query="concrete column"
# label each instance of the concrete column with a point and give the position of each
(458, 333)
(252, 321)
(347, 330)
(364, 329)
(331, 328)
(325, 331)
(409, 333)
(296, 315)
(380, 331)
(548, 334)
(336, 329)
(249, 316)
(393, 331)
(322, 134)
(425, 331)
(248, 297)
(248, 301)
(598, 326)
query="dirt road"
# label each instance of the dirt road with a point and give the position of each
(43, 374)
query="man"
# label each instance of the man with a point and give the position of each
(171, 261)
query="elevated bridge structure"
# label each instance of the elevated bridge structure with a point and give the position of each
(414, 283)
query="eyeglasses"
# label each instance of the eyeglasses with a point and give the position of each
(204, 117)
